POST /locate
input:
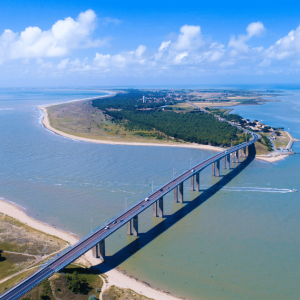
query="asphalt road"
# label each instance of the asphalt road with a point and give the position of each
(75, 251)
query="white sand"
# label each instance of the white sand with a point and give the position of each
(114, 277)
(270, 158)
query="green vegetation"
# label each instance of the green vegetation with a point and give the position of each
(194, 127)
(11, 263)
(73, 282)
(14, 280)
(225, 114)
(116, 293)
(18, 237)
(265, 141)
(132, 99)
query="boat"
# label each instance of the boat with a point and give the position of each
(294, 190)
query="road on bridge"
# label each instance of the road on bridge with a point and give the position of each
(78, 249)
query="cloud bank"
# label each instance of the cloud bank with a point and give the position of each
(188, 53)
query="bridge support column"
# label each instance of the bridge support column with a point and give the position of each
(213, 169)
(129, 228)
(224, 162)
(181, 192)
(245, 150)
(101, 247)
(95, 251)
(198, 182)
(237, 156)
(155, 209)
(218, 168)
(135, 226)
(161, 207)
(192, 183)
(99, 250)
(176, 194)
(228, 161)
(233, 159)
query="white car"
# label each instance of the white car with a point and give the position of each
(106, 227)
(147, 199)
(193, 171)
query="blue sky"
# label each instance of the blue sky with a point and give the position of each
(70, 43)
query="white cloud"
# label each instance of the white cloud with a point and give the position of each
(239, 44)
(164, 46)
(255, 28)
(189, 38)
(187, 53)
(288, 46)
(140, 51)
(58, 41)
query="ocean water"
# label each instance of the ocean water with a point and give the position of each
(233, 241)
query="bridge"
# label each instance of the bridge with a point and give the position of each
(129, 217)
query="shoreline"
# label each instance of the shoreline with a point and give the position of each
(46, 124)
(114, 276)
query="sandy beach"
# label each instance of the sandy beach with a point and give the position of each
(47, 125)
(114, 277)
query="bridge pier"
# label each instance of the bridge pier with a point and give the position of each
(198, 181)
(135, 225)
(224, 162)
(161, 207)
(237, 156)
(102, 249)
(232, 159)
(192, 183)
(218, 168)
(245, 151)
(213, 169)
(99, 250)
(129, 227)
(155, 209)
(181, 192)
(96, 251)
(176, 194)
(228, 161)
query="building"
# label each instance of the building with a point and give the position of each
(143, 99)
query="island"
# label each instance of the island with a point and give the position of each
(175, 118)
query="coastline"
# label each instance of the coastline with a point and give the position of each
(114, 276)
(46, 124)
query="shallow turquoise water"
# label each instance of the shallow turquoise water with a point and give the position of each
(241, 243)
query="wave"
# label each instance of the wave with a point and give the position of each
(257, 189)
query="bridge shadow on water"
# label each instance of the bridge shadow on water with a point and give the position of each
(169, 220)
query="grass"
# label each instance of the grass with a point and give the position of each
(56, 287)
(14, 280)
(18, 237)
(11, 263)
(116, 293)
(261, 149)
(83, 120)
(282, 140)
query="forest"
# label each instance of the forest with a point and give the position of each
(193, 126)
(125, 109)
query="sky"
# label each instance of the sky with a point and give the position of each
(148, 43)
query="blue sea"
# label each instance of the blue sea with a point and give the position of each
(237, 241)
